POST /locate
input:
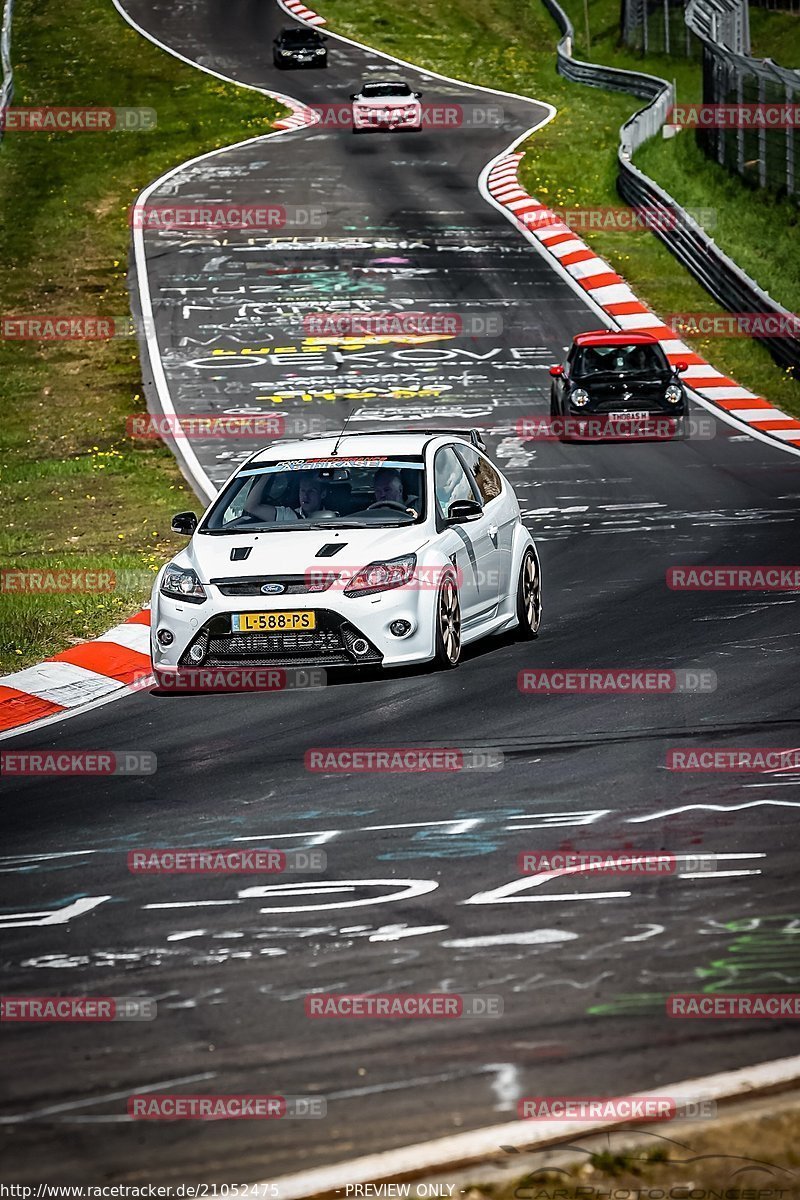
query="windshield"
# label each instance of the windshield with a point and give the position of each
(386, 89)
(330, 493)
(637, 358)
(301, 37)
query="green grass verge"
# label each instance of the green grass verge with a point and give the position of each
(775, 35)
(572, 161)
(75, 490)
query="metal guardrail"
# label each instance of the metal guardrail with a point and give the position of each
(764, 155)
(709, 265)
(724, 22)
(7, 86)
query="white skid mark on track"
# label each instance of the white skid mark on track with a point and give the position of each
(53, 916)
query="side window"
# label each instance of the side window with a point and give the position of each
(487, 481)
(236, 506)
(451, 481)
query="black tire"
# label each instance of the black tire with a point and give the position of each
(447, 653)
(529, 598)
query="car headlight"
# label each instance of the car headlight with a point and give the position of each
(286, 53)
(382, 576)
(320, 50)
(673, 394)
(579, 398)
(181, 583)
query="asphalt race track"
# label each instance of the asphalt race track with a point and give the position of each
(583, 965)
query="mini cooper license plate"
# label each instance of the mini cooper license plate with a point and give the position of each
(272, 622)
(629, 416)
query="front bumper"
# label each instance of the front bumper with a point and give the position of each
(301, 63)
(363, 120)
(610, 424)
(349, 631)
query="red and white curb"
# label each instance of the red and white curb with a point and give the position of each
(487, 1144)
(608, 291)
(78, 676)
(300, 116)
(297, 9)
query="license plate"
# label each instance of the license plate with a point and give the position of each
(272, 622)
(629, 416)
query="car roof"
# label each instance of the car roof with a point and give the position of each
(612, 337)
(366, 445)
(383, 83)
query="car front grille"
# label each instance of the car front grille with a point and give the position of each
(331, 643)
(315, 646)
(313, 581)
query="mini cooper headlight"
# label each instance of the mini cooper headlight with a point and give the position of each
(181, 583)
(320, 50)
(673, 394)
(381, 576)
(579, 398)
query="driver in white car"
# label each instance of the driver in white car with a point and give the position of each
(311, 495)
(388, 485)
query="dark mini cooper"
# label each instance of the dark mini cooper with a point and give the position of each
(297, 47)
(617, 384)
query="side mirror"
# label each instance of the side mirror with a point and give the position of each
(464, 510)
(185, 522)
(417, 95)
(354, 96)
(557, 372)
(681, 367)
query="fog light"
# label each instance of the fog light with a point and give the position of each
(360, 647)
(399, 628)
(197, 652)
(165, 637)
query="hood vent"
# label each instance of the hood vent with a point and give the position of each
(331, 548)
(240, 553)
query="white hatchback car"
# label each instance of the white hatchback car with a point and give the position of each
(363, 549)
(386, 104)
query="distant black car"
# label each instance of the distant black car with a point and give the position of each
(298, 47)
(612, 380)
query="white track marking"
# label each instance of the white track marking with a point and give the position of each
(674, 812)
(53, 916)
(69, 1105)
